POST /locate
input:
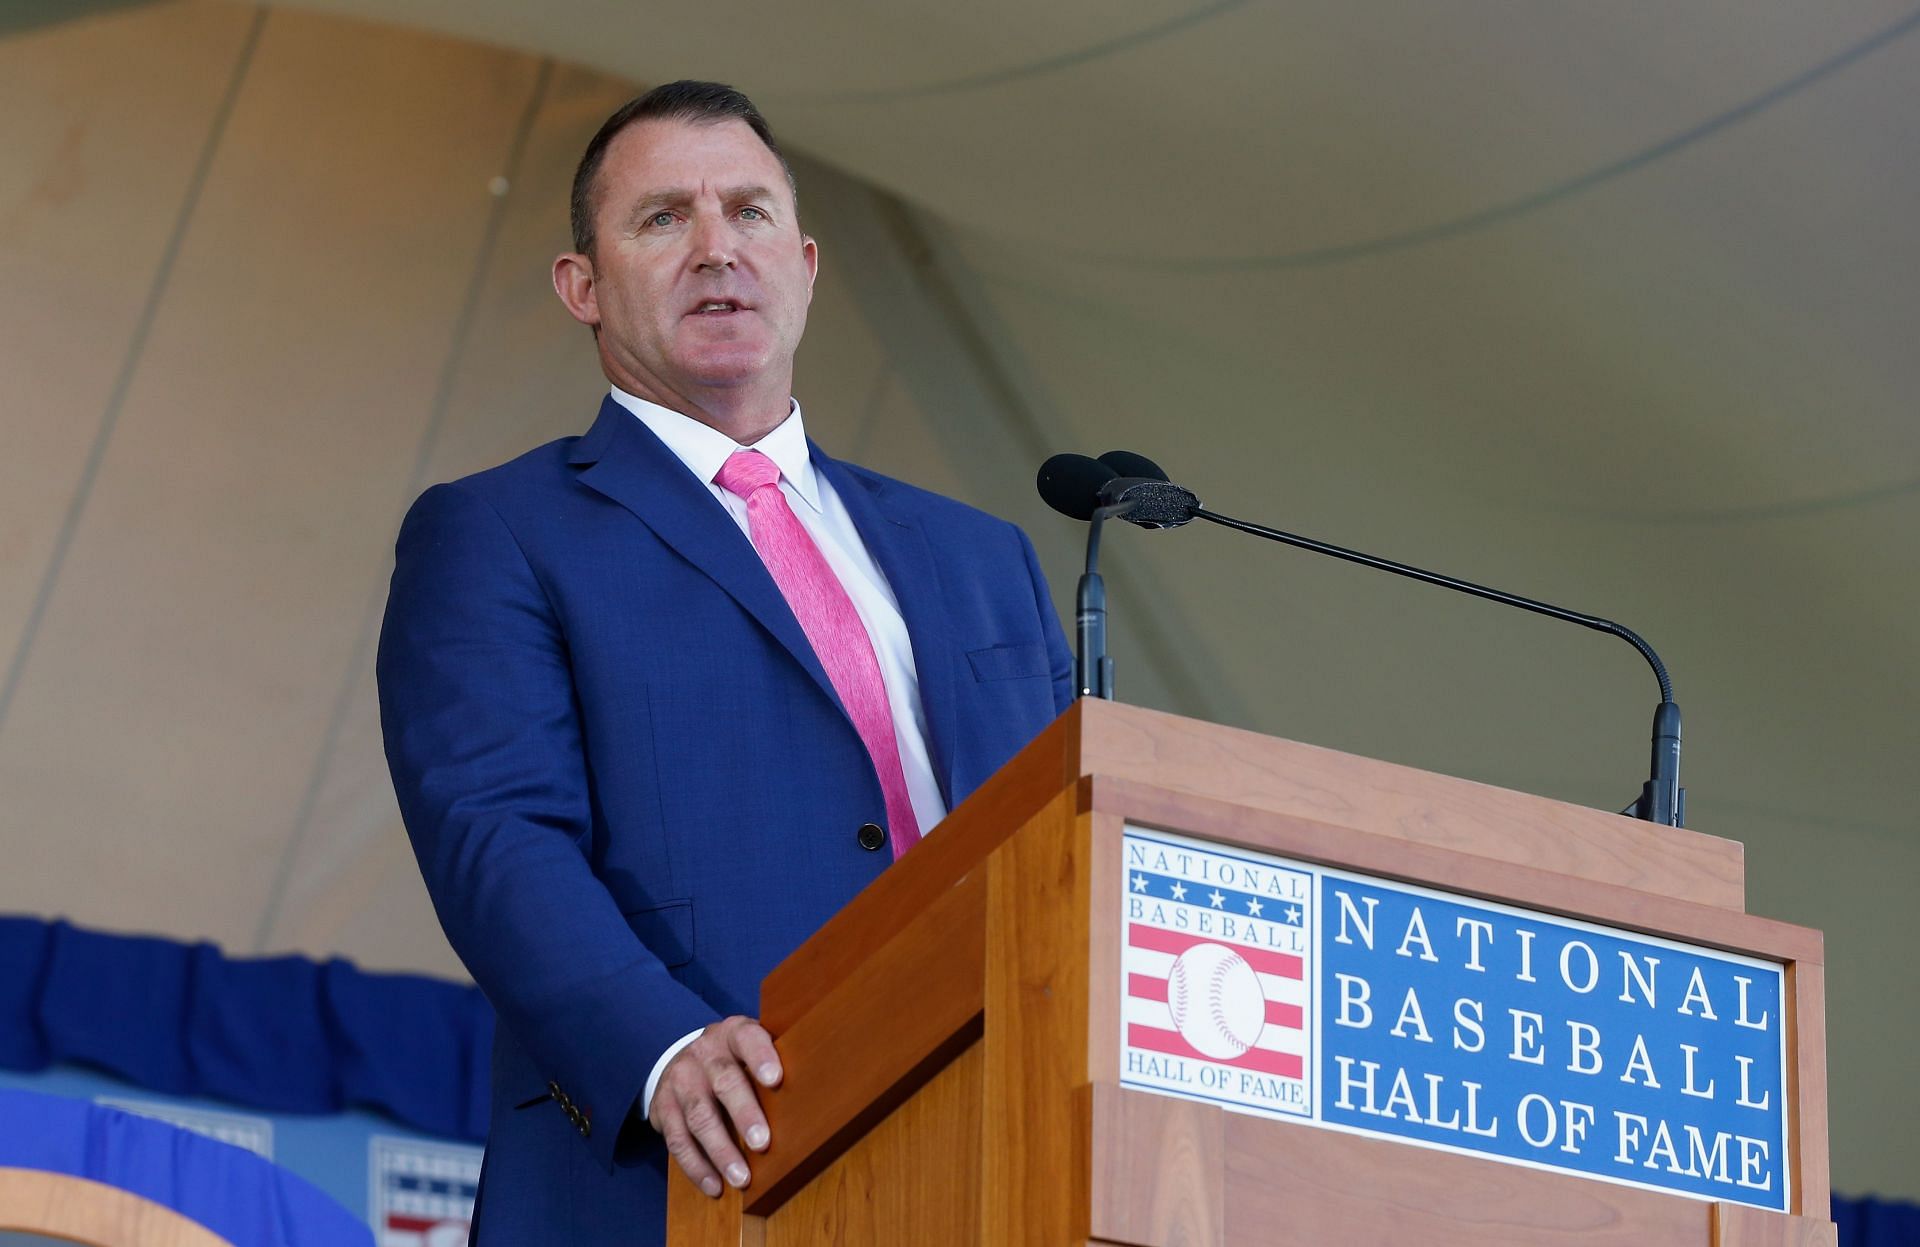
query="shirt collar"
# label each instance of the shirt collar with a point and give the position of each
(704, 448)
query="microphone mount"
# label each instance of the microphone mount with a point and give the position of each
(1150, 503)
(1074, 485)
(1092, 665)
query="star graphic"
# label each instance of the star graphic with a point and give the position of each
(1253, 907)
(1179, 891)
(1293, 914)
(1139, 883)
(1217, 899)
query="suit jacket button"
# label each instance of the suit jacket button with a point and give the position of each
(871, 836)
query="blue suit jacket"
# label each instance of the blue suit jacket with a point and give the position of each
(630, 785)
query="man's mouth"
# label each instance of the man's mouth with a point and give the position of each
(718, 307)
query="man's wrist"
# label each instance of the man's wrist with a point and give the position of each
(660, 1067)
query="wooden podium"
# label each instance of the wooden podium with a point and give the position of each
(952, 1038)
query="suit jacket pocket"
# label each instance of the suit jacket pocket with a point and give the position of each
(1008, 662)
(667, 930)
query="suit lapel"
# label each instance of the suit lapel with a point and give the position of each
(622, 459)
(894, 537)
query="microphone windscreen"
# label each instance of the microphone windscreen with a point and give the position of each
(1070, 484)
(1126, 463)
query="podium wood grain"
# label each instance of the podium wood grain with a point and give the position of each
(1410, 806)
(1035, 1037)
(1736, 1226)
(922, 990)
(913, 1178)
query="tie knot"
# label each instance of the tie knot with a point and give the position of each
(745, 471)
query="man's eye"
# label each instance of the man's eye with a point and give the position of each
(753, 214)
(661, 219)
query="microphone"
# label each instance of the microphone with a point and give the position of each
(1130, 487)
(1118, 485)
(1071, 484)
(1152, 501)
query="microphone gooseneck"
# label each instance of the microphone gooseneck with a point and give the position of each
(1123, 485)
(1662, 799)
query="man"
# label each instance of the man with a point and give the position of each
(660, 699)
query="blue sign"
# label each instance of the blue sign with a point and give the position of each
(1513, 1034)
(1303, 993)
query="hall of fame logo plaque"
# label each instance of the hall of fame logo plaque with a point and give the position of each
(1370, 1006)
(421, 1193)
(1216, 975)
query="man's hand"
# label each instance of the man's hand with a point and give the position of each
(706, 1086)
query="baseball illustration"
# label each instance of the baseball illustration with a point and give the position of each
(1216, 1001)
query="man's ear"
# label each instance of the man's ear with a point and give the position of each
(573, 282)
(810, 252)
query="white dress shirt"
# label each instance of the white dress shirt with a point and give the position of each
(704, 449)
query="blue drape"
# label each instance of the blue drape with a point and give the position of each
(284, 1034)
(1876, 1222)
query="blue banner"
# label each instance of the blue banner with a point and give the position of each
(1494, 1030)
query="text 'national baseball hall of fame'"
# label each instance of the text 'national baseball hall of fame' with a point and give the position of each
(1352, 1003)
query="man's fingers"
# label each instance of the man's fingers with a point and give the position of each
(685, 1152)
(707, 1093)
(736, 1095)
(753, 1048)
(709, 1128)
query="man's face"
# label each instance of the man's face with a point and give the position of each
(700, 277)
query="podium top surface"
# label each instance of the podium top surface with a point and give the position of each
(1275, 776)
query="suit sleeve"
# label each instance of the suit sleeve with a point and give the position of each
(1059, 654)
(484, 741)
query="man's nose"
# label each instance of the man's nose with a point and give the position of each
(711, 246)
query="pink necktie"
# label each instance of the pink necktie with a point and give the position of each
(832, 625)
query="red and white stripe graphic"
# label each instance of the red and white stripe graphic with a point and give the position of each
(407, 1231)
(421, 1194)
(1275, 1044)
